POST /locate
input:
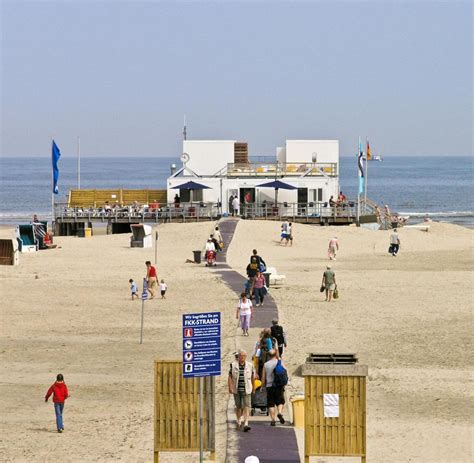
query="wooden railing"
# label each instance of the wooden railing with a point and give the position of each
(197, 211)
(121, 197)
(278, 169)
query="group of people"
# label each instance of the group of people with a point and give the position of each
(286, 233)
(340, 201)
(215, 242)
(265, 373)
(152, 283)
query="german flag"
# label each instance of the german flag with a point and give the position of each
(367, 153)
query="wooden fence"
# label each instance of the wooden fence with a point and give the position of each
(176, 423)
(344, 435)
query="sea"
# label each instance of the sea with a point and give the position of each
(438, 187)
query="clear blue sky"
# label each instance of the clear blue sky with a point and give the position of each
(121, 75)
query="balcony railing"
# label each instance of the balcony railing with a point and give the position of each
(278, 169)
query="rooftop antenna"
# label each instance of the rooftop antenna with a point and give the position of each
(184, 128)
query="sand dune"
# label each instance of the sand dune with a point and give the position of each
(68, 310)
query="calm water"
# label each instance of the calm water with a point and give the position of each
(441, 187)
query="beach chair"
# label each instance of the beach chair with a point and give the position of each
(275, 278)
(9, 252)
(25, 236)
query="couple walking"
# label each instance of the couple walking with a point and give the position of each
(243, 382)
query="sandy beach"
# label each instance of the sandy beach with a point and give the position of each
(68, 310)
(409, 318)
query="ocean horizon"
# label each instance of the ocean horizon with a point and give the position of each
(419, 186)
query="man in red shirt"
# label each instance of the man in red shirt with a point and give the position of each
(151, 278)
(60, 394)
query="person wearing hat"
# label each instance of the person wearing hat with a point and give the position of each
(329, 282)
(241, 384)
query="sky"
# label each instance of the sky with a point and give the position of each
(121, 75)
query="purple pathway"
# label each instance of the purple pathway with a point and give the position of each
(277, 444)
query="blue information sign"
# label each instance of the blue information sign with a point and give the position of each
(201, 344)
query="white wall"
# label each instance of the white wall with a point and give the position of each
(206, 157)
(329, 186)
(302, 150)
(281, 154)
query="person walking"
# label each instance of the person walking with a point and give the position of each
(60, 394)
(289, 235)
(151, 278)
(284, 231)
(394, 243)
(333, 248)
(262, 266)
(259, 288)
(244, 313)
(279, 334)
(235, 206)
(329, 282)
(231, 205)
(240, 382)
(218, 237)
(275, 392)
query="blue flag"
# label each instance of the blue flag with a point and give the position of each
(56, 154)
(360, 162)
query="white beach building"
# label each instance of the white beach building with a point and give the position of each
(224, 166)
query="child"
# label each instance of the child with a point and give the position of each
(133, 288)
(60, 394)
(163, 288)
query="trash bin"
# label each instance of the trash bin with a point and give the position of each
(297, 403)
(87, 232)
(197, 256)
(267, 278)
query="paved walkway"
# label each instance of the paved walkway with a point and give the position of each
(270, 444)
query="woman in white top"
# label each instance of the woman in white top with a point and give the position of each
(245, 313)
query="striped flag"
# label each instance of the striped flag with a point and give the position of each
(360, 162)
(367, 154)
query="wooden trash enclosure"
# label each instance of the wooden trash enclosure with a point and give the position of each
(345, 433)
(176, 422)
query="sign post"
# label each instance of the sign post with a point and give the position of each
(201, 354)
(144, 298)
(156, 247)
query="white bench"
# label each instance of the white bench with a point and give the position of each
(275, 279)
(418, 227)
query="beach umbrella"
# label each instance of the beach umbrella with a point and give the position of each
(277, 185)
(191, 186)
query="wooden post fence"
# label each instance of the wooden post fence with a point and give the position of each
(176, 422)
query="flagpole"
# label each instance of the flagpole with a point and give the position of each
(358, 188)
(366, 169)
(78, 163)
(52, 187)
